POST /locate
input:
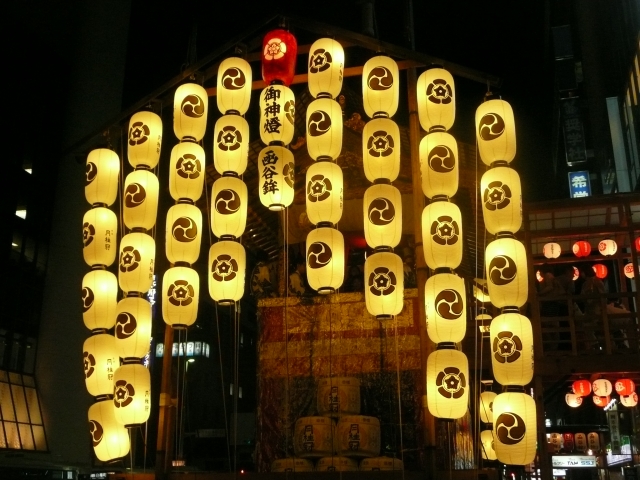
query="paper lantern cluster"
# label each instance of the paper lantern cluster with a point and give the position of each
(579, 442)
(485, 407)
(602, 390)
(324, 180)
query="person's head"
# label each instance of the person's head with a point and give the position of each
(545, 268)
(589, 272)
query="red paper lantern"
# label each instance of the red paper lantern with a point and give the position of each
(638, 244)
(601, 401)
(567, 441)
(581, 248)
(601, 270)
(279, 52)
(625, 386)
(582, 387)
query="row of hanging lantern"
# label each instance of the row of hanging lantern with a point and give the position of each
(511, 335)
(382, 202)
(580, 442)
(445, 297)
(602, 389)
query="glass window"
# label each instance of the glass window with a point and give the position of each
(21, 425)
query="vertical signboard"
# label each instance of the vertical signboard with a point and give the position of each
(614, 431)
(579, 184)
(574, 144)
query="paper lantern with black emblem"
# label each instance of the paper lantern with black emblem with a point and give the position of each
(501, 196)
(190, 108)
(276, 168)
(100, 358)
(551, 250)
(102, 176)
(279, 53)
(324, 129)
(506, 270)
(324, 189)
(514, 428)
(447, 383)
(439, 166)
(382, 210)
(511, 339)
(180, 296)
(145, 139)
(442, 235)
(436, 99)
(133, 327)
(277, 114)
(234, 86)
(326, 62)
(99, 299)
(231, 144)
(99, 237)
(495, 131)
(109, 439)
(486, 406)
(229, 200)
(186, 173)
(445, 307)
(136, 262)
(325, 259)
(380, 87)
(488, 452)
(384, 285)
(381, 149)
(183, 233)
(140, 199)
(132, 395)
(227, 266)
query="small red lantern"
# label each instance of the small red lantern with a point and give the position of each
(601, 270)
(567, 440)
(638, 244)
(581, 248)
(625, 386)
(279, 52)
(582, 387)
(601, 401)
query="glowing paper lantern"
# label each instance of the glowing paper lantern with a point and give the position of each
(625, 386)
(132, 395)
(140, 199)
(581, 442)
(99, 236)
(601, 270)
(133, 327)
(514, 428)
(145, 139)
(551, 250)
(512, 349)
(233, 94)
(277, 114)
(109, 439)
(629, 270)
(324, 189)
(100, 358)
(601, 401)
(593, 441)
(447, 383)
(186, 173)
(102, 176)
(581, 388)
(637, 244)
(506, 268)
(380, 87)
(445, 306)
(382, 209)
(436, 99)
(576, 273)
(439, 166)
(230, 144)
(501, 200)
(573, 400)
(442, 235)
(229, 201)
(190, 108)
(99, 299)
(555, 439)
(324, 129)
(325, 259)
(567, 441)
(581, 248)
(384, 288)
(602, 387)
(495, 131)
(277, 175)
(480, 290)
(486, 406)
(381, 149)
(227, 267)
(607, 247)
(180, 296)
(326, 61)
(279, 53)
(488, 453)
(183, 233)
(629, 400)
(135, 267)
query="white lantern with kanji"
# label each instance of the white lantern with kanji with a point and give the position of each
(384, 285)
(495, 131)
(277, 114)
(325, 259)
(231, 144)
(436, 99)
(132, 395)
(447, 383)
(227, 267)
(99, 236)
(324, 129)
(180, 296)
(229, 201)
(276, 170)
(607, 247)
(381, 149)
(136, 262)
(145, 139)
(324, 189)
(445, 307)
(186, 173)
(629, 270)
(551, 250)
(382, 211)
(140, 199)
(439, 166)
(442, 235)
(380, 86)
(506, 270)
(629, 400)
(501, 193)
(512, 349)
(99, 299)
(514, 428)
(602, 387)
(488, 452)
(326, 63)
(234, 86)
(133, 327)
(190, 108)
(101, 360)
(102, 176)
(573, 400)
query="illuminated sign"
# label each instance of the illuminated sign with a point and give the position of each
(579, 184)
(559, 472)
(573, 461)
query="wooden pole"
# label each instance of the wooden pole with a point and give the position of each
(163, 442)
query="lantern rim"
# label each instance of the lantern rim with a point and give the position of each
(446, 346)
(380, 114)
(226, 302)
(437, 128)
(99, 331)
(384, 318)
(132, 361)
(326, 290)
(276, 207)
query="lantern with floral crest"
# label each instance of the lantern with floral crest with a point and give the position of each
(326, 63)
(186, 172)
(436, 99)
(279, 53)
(145, 139)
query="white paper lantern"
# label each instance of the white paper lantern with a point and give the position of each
(234, 85)
(324, 189)
(227, 266)
(501, 200)
(132, 395)
(380, 86)
(514, 428)
(99, 299)
(593, 441)
(190, 108)
(381, 149)
(607, 247)
(445, 308)
(555, 440)
(495, 131)
(447, 383)
(99, 236)
(102, 176)
(109, 439)
(551, 250)
(486, 406)
(382, 210)
(145, 139)
(180, 296)
(629, 400)
(325, 260)
(186, 173)
(136, 261)
(384, 285)
(277, 114)
(629, 270)
(231, 144)
(573, 400)
(276, 168)
(581, 442)
(324, 129)
(229, 201)
(442, 235)
(506, 269)
(183, 233)
(511, 349)
(326, 62)
(488, 452)
(140, 199)
(436, 99)
(439, 166)
(100, 358)
(133, 327)
(602, 387)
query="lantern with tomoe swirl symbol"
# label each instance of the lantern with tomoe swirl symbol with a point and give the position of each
(442, 234)
(384, 285)
(512, 349)
(132, 394)
(227, 266)
(234, 86)
(180, 296)
(145, 139)
(325, 259)
(99, 236)
(382, 210)
(277, 175)
(445, 306)
(277, 114)
(109, 439)
(100, 358)
(102, 174)
(436, 99)
(136, 262)
(381, 149)
(133, 327)
(190, 108)
(231, 144)
(326, 61)
(324, 129)
(183, 233)
(488, 452)
(99, 299)
(380, 87)
(186, 172)
(506, 269)
(447, 383)
(229, 199)
(486, 406)
(501, 200)
(514, 428)
(495, 131)
(439, 166)
(140, 199)
(324, 189)
(279, 53)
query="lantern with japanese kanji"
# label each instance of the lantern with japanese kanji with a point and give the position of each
(380, 87)
(109, 439)
(581, 388)
(230, 144)
(279, 53)
(325, 259)
(135, 266)
(277, 114)
(382, 211)
(445, 306)
(551, 250)
(324, 129)
(186, 172)
(99, 236)
(132, 394)
(555, 440)
(100, 358)
(625, 386)
(601, 270)
(381, 149)
(580, 442)
(601, 401)
(234, 86)
(145, 139)
(229, 200)
(102, 174)
(140, 199)
(276, 169)
(439, 166)
(629, 270)
(324, 191)
(593, 441)
(501, 200)
(486, 406)
(384, 285)
(629, 400)
(602, 387)
(567, 441)
(326, 63)
(495, 131)
(133, 327)
(436, 99)
(183, 233)
(227, 266)
(180, 296)
(99, 299)
(447, 383)
(190, 108)
(573, 400)
(581, 248)
(512, 349)
(442, 234)
(506, 268)
(607, 247)
(514, 428)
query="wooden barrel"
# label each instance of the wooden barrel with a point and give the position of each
(358, 436)
(338, 396)
(313, 437)
(336, 464)
(291, 465)
(377, 464)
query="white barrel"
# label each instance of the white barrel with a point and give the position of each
(336, 464)
(358, 436)
(377, 464)
(313, 437)
(338, 396)
(291, 465)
